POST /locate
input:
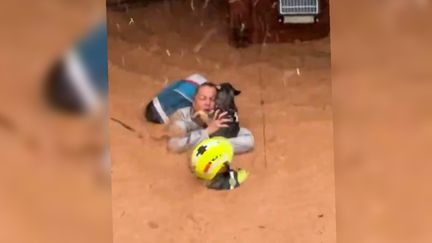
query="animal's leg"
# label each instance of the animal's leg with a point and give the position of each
(202, 116)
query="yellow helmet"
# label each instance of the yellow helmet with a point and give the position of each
(210, 156)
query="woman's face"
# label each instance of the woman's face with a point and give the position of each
(205, 99)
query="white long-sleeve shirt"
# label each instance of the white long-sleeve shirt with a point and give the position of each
(182, 119)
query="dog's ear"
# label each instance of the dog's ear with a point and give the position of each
(237, 92)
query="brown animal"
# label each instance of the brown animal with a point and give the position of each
(240, 22)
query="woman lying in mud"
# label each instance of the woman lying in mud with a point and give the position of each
(191, 130)
(188, 109)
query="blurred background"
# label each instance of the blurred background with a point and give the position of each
(381, 79)
(53, 188)
(381, 74)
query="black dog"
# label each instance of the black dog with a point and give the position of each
(225, 103)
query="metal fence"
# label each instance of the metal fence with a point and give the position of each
(298, 7)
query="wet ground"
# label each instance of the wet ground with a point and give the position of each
(285, 102)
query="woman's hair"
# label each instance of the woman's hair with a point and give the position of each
(206, 84)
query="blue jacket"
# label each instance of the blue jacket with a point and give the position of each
(93, 53)
(178, 95)
(86, 67)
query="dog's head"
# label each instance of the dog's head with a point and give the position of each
(225, 96)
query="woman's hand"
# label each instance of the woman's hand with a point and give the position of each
(217, 122)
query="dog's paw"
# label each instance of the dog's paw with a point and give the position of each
(201, 117)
